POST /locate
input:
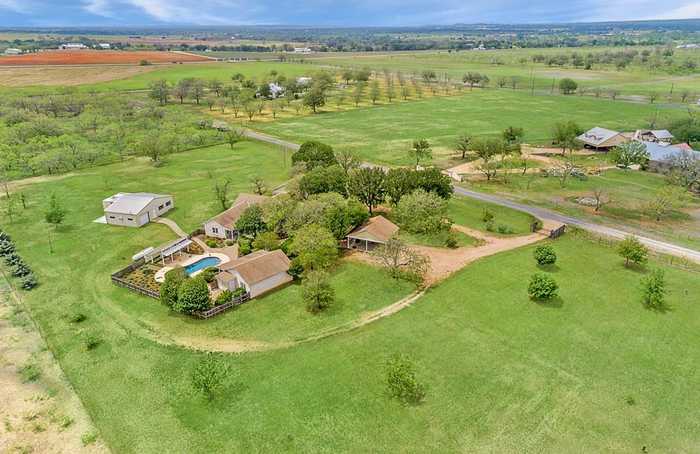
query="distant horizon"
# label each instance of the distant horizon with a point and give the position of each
(331, 13)
(185, 26)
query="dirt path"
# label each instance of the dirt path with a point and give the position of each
(40, 414)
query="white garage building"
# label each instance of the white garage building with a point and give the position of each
(135, 209)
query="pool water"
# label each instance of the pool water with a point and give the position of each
(200, 264)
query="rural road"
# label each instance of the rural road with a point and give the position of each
(543, 213)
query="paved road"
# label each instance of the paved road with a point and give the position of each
(270, 139)
(542, 213)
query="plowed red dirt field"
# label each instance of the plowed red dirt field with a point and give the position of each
(96, 57)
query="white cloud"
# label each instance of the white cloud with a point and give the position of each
(12, 5)
(98, 7)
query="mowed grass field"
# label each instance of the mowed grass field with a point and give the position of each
(626, 196)
(383, 134)
(508, 63)
(592, 372)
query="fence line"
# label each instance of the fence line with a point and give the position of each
(237, 301)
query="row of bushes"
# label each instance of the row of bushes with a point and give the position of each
(18, 267)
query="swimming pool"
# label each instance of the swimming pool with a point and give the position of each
(200, 264)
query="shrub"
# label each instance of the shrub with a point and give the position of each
(208, 376)
(316, 292)
(633, 251)
(244, 247)
(654, 290)
(229, 242)
(209, 273)
(29, 281)
(169, 287)
(487, 216)
(504, 229)
(224, 297)
(296, 269)
(451, 241)
(192, 296)
(545, 255)
(6, 247)
(240, 291)
(90, 341)
(211, 243)
(542, 287)
(21, 270)
(490, 226)
(402, 382)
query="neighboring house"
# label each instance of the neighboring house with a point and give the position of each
(303, 81)
(378, 230)
(13, 51)
(135, 209)
(104, 46)
(72, 46)
(661, 156)
(653, 135)
(224, 225)
(602, 139)
(302, 50)
(258, 272)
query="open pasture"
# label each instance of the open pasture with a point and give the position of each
(383, 134)
(509, 64)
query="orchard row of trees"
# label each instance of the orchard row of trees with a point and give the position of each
(50, 134)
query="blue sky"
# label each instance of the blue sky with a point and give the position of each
(332, 12)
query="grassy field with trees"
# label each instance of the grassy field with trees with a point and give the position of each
(442, 120)
(332, 394)
(600, 71)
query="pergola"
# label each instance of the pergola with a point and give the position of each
(168, 250)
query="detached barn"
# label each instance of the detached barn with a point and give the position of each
(378, 230)
(135, 209)
(602, 139)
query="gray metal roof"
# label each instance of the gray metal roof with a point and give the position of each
(658, 152)
(597, 136)
(131, 203)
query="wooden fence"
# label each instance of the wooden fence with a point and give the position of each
(237, 301)
(556, 233)
(117, 280)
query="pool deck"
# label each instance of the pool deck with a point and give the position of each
(188, 259)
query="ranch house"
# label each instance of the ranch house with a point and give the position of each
(135, 209)
(223, 226)
(257, 273)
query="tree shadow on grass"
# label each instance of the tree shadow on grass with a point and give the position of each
(662, 308)
(553, 268)
(639, 269)
(551, 303)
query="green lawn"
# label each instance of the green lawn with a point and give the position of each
(281, 315)
(627, 194)
(470, 213)
(383, 134)
(593, 372)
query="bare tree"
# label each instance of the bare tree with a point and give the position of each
(600, 199)
(221, 191)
